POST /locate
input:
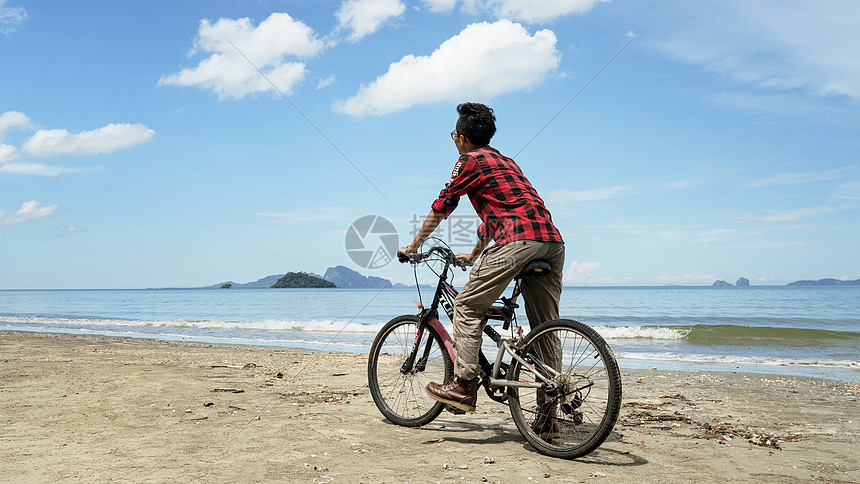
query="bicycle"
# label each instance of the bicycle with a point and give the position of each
(584, 387)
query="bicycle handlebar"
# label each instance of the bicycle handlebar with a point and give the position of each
(446, 253)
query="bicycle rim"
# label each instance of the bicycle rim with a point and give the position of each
(400, 396)
(587, 397)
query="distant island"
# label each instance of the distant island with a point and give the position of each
(301, 280)
(263, 283)
(335, 277)
(826, 282)
(345, 277)
(742, 282)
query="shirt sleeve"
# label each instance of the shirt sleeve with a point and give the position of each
(465, 178)
(483, 232)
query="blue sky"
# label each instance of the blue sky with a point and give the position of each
(139, 148)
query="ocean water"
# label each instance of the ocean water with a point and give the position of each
(806, 331)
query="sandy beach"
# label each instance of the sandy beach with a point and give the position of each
(98, 409)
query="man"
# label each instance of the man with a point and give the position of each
(516, 218)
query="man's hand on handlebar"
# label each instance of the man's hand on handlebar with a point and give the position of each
(466, 259)
(460, 260)
(403, 255)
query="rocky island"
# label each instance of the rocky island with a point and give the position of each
(301, 280)
(742, 282)
(345, 277)
(335, 277)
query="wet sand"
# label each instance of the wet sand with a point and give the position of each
(98, 409)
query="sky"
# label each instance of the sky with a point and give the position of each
(185, 143)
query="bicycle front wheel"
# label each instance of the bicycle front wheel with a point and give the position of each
(575, 412)
(399, 394)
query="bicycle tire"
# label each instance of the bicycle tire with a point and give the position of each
(589, 396)
(401, 397)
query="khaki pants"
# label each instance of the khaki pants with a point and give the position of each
(488, 280)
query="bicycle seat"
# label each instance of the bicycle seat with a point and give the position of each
(536, 267)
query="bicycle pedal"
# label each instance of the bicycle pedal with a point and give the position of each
(454, 410)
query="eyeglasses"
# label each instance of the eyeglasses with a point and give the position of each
(454, 135)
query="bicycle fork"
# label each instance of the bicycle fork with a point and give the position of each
(426, 319)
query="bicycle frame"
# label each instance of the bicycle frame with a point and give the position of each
(444, 295)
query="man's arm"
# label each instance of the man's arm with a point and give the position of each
(432, 221)
(476, 252)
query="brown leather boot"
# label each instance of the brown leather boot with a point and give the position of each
(458, 393)
(546, 423)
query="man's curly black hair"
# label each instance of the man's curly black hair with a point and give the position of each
(477, 123)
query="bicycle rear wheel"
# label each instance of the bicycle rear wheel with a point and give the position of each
(584, 394)
(400, 396)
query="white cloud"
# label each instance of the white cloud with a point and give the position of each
(11, 18)
(29, 211)
(438, 6)
(15, 119)
(304, 216)
(585, 268)
(598, 281)
(772, 44)
(108, 139)
(563, 197)
(680, 184)
(364, 17)
(686, 234)
(797, 178)
(482, 61)
(583, 274)
(847, 191)
(7, 153)
(70, 230)
(537, 11)
(592, 195)
(228, 74)
(35, 169)
(758, 237)
(46, 143)
(324, 83)
(792, 215)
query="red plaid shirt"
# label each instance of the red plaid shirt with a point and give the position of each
(508, 205)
